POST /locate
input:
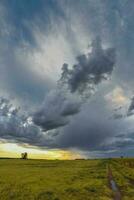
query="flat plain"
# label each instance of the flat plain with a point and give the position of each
(66, 180)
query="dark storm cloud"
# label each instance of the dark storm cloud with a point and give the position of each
(112, 21)
(90, 69)
(118, 113)
(131, 108)
(54, 113)
(90, 129)
(71, 108)
(93, 130)
(120, 143)
(117, 116)
(128, 110)
(16, 127)
(82, 79)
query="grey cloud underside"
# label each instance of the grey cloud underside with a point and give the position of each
(18, 128)
(131, 108)
(54, 113)
(74, 83)
(91, 68)
(90, 130)
(129, 111)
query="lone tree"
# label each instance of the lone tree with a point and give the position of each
(24, 155)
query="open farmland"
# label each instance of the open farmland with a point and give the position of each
(123, 173)
(66, 180)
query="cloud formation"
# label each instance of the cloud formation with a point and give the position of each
(57, 107)
(131, 108)
(90, 69)
(74, 83)
(17, 127)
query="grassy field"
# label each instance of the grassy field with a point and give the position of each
(64, 180)
(123, 172)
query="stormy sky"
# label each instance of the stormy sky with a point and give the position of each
(67, 75)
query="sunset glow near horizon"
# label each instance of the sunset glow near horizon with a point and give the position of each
(12, 150)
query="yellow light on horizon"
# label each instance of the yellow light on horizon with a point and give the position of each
(14, 150)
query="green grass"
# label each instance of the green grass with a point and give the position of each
(64, 180)
(123, 172)
(54, 180)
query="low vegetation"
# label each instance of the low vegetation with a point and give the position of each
(64, 180)
(123, 172)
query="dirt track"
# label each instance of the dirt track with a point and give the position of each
(113, 185)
